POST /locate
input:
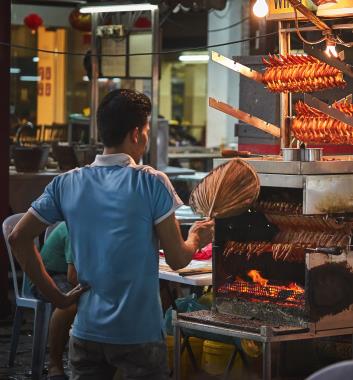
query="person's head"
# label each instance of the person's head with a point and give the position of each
(123, 120)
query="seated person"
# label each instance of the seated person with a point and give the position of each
(57, 258)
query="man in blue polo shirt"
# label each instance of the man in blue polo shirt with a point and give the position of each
(116, 212)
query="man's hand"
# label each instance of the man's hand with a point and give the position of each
(203, 231)
(71, 297)
(178, 253)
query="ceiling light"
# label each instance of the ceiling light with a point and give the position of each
(194, 58)
(35, 59)
(105, 8)
(15, 70)
(260, 8)
(30, 78)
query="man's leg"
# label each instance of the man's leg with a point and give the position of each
(59, 328)
(87, 361)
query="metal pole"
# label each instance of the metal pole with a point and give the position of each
(310, 15)
(176, 369)
(5, 37)
(153, 153)
(266, 361)
(285, 99)
(93, 133)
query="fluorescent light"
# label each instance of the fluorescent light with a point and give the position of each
(194, 58)
(15, 70)
(29, 78)
(118, 8)
(35, 59)
(102, 80)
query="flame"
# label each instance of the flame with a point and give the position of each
(256, 277)
(260, 289)
(294, 286)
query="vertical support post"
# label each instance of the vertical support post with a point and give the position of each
(285, 99)
(177, 337)
(266, 361)
(93, 133)
(215, 249)
(153, 153)
(5, 32)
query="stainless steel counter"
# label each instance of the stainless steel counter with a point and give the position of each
(277, 166)
(327, 186)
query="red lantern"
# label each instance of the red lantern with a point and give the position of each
(142, 22)
(80, 21)
(33, 22)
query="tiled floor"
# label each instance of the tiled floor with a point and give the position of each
(21, 369)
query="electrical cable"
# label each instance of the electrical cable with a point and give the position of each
(229, 26)
(300, 35)
(139, 54)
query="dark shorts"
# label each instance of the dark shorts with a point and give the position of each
(61, 282)
(92, 360)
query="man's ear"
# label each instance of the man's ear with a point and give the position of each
(135, 135)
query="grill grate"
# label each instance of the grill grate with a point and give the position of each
(273, 293)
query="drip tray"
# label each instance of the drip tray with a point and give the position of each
(239, 323)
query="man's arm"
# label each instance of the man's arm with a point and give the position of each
(178, 253)
(23, 248)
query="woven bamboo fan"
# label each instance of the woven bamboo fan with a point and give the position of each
(226, 191)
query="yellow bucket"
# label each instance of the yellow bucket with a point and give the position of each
(216, 356)
(187, 369)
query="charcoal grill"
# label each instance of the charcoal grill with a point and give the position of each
(283, 270)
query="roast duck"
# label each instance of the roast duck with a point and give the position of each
(299, 73)
(313, 126)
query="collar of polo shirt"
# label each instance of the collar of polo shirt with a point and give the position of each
(120, 159)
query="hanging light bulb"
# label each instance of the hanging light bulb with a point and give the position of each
(331, 48)
(260, 8)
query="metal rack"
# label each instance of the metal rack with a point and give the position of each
(242, 328)
(286, 111)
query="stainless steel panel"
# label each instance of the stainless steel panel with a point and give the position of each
(267, 166)
(327, 167)
(295, 167)
(327, 194)
(281, 180)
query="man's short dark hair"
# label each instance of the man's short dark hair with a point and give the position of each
(120, 112)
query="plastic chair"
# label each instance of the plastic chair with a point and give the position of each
(25, 299)
(49, 230)
(337, 371)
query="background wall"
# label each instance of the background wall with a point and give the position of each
(223, 84)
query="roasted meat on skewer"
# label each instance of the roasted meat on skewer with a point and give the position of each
(313, 126)
(299, 73)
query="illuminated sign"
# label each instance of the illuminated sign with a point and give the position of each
(341, 8)
(282, 9)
